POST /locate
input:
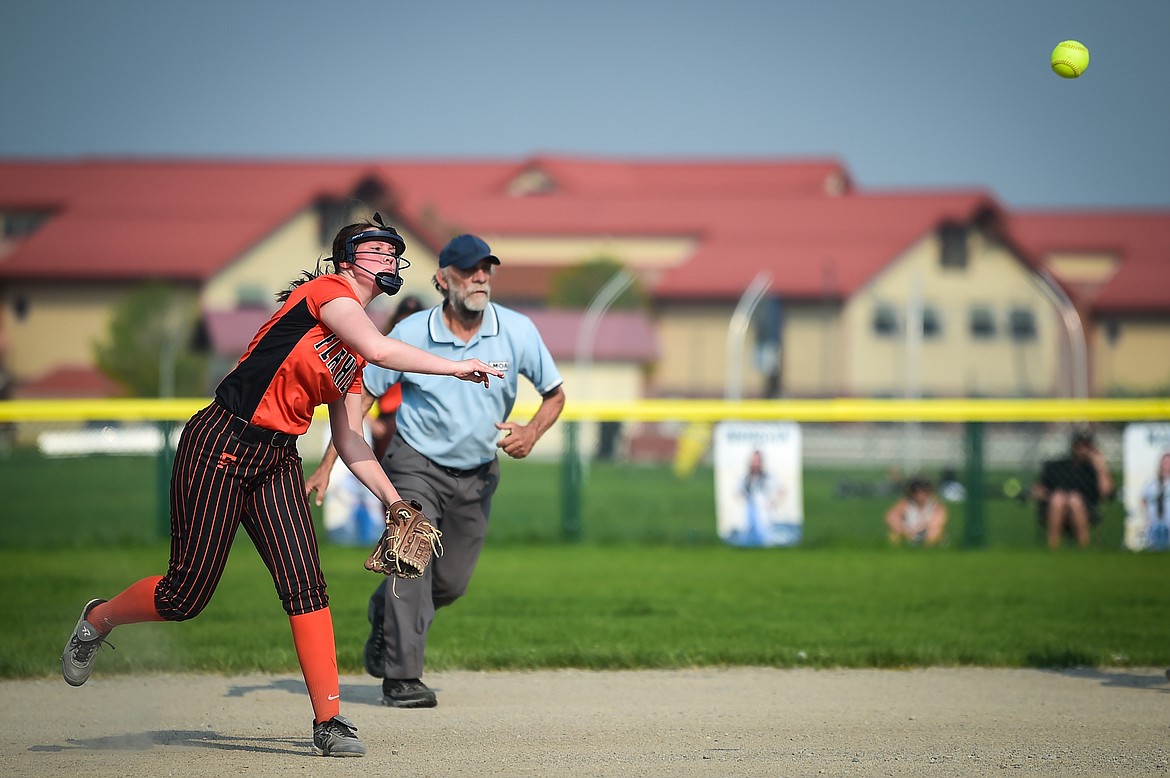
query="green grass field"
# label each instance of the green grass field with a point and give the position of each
(648, 586)
(641, 607)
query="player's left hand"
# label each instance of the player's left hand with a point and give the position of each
(519, 441)
(319, 481)
(475, 370)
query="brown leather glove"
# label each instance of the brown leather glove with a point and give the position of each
(406, 547)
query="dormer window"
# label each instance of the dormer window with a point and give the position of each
(952, 246)
(532, 182)
(20, 224)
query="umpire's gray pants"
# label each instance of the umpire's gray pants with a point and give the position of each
(459, 505)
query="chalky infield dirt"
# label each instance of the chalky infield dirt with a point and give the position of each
(704, 722)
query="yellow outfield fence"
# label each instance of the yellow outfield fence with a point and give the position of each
(831, 410)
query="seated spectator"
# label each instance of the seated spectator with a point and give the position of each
(1069, 491)
(918, 517)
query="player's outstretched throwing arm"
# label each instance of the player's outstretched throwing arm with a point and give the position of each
(348, 320)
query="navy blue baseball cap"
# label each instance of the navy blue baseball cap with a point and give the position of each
(465, 252)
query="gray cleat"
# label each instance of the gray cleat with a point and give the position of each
(337, 737)
(77, 658)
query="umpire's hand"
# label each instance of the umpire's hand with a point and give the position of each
(519, 441)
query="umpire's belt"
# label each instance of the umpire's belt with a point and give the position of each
(480, 470)
(250, 433)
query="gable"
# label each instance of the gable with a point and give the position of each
(168, 220)
(1118, 262)
(815, 249)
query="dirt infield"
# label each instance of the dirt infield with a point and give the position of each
(734, 722)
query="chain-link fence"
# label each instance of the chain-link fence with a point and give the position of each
(646, 474)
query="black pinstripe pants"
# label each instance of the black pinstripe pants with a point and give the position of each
(220, 482)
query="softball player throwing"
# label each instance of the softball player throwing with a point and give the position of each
(237, 463)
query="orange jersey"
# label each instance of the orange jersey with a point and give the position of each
(294, 363)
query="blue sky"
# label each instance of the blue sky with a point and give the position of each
(906, 93)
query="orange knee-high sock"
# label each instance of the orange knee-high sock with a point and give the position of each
(313, 636)
(134, 605)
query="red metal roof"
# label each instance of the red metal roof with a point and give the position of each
(1140, 240)
(434, 181)
(802, 241)
(189, 219)
(180, 220)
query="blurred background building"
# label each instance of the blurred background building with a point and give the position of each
(932, 293)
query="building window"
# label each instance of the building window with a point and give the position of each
(332, 215)
(21, 224)
(252, 296)
(982, 323)
(931, 322)
(532, 182)
(20, 306)
(1022, 324)
(885, 320)
(1112, 331)
(953, 246)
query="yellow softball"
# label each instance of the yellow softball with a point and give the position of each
(1069, 59)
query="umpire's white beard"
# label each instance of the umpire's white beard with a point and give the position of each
(473, 298)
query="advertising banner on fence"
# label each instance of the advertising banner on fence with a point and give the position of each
(1146, 487)
(759, 499)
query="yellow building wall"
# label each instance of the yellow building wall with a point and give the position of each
(1139, 358)
(693, 356)
(830, 351)
(609, 381)
(812, 357)
(60, 327)
(954, 363)
(693, 360)
(267, 267)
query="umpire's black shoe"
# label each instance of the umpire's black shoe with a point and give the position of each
(407, 693)
(375, 645)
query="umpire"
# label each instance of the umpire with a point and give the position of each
(444, 451)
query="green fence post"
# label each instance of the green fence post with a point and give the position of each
(975, 529)
(162, 518)
(571, 487)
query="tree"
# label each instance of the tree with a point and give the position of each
(148, 344)
(576, 286)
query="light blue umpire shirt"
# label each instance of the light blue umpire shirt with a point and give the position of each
(453, 422)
